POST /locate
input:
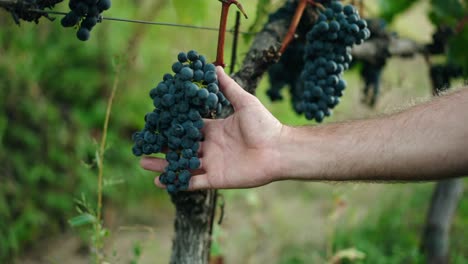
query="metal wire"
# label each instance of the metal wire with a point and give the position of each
(142, 22)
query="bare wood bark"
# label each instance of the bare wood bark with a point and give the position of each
(262, 53)
(435, 241)
(193, 225)
(393, 47)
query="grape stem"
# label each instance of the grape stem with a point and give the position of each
(222, 29)
(295, 21)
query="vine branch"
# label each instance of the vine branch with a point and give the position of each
(264, 49)
(392, 47)
(294, 23)
(222, 29)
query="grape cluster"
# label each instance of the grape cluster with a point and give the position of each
(86, 14)
(440, 40)
(21, 11)
(286, 71)
(371, 71)
(371, 74)
(327, 56)
(442, 74)
(181, 101)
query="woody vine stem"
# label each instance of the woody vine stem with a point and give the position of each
(295, 22)
(222, 29)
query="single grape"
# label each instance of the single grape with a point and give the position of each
(83, 34)
(194, 163)
(186, 74)
(182, 57)
(104, 5)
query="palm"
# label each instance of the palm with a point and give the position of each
(239, 142)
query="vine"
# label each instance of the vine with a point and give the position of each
(266, 50)
(222, 28)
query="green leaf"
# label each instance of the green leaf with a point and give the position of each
(390, 9)
(457, 50)
(446, 12)
(192, 12)
(3, 128)
(83, 219)
(98, 158)
(113, 182)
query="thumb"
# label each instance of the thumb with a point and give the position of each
(233, 92)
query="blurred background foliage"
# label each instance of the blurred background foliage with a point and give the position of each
(53, 93)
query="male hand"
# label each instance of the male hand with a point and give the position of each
(239, 151)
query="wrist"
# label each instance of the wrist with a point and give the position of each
(299, 154)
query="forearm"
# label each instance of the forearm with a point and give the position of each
(426, 142)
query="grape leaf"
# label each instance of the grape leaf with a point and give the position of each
(447, 12)
(457, 50)
(192, 12)
(82, 219)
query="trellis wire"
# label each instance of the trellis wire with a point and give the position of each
(6, 3)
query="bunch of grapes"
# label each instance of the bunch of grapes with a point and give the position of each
(21, 10)
(442, 74)
(371, 71)
(180, 101)
(312, 66)
(371, 74)
(286, 71)
(86, 14)
(327, 56)
(440, 39)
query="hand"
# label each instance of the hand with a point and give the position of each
(239, 151)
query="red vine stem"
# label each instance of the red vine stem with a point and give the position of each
(222, 29)
(292, 28)
(461, 24)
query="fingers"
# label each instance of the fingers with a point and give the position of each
(233, 92)
(158, 183)
(199, 182)
(153, 164)
(158, 164)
